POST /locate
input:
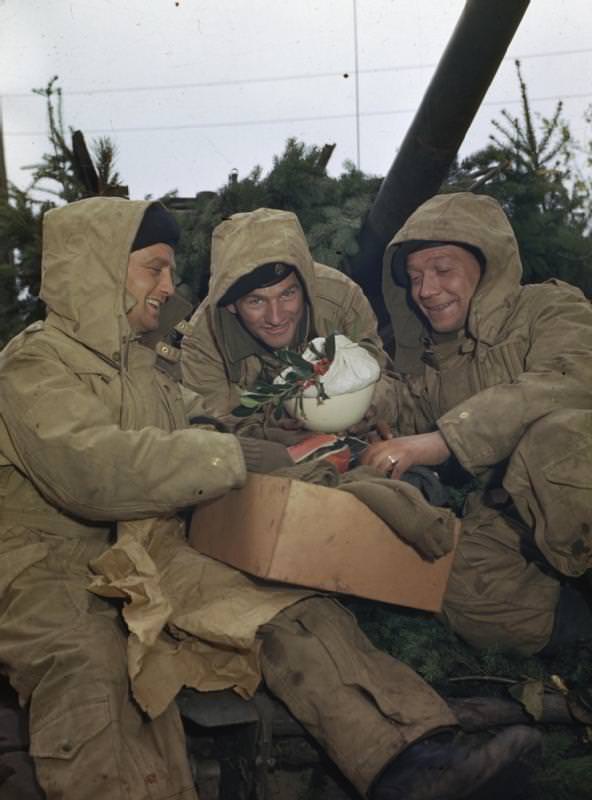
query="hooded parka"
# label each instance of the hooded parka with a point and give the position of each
(96, 458)
(512, 396)
(220, 358)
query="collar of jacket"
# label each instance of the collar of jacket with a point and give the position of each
(172, 314)
(86, 246)
(441, 347)
(479, 221)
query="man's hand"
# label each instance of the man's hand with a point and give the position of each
(396, 456)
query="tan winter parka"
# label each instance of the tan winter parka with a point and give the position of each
(92, 435)
(95, 459)
(219, 359)
(525, 355)
(86, 423)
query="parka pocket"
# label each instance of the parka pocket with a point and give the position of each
(64, 736)
(563, 489)
(573, 469)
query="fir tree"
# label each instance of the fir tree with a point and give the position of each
(331, 210)
(530, 167)
(59, 177)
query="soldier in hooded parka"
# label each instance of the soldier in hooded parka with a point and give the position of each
(496, 378)
(106, 611)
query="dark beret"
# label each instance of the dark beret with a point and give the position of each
(399, 260)
(158, 226)
(259, 278)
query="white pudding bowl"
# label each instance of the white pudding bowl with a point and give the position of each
(333, 415)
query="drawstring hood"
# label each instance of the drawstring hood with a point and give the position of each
(86, 247)
(240, 245)
(463, 219)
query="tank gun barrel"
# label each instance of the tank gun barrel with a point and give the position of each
(462, 77)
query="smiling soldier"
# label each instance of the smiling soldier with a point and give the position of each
(98, 461)
(150, 281)
(498, 381)
(267, 293)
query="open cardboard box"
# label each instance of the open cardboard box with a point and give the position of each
(294, 532)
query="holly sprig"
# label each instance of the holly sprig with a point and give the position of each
(300, 376)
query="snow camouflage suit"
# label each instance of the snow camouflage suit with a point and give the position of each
(512, 397)
(219, 358)
(94, 445)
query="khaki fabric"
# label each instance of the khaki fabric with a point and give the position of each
(429, 529)
(96, 459)
(510, 394)
(496, 597)
(550, 480)
(210, 611)
(65, 652)
(314, 650)
(219, 359)
(91, 434)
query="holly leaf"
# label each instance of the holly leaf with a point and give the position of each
(295, 360)
(279, 388)
(260, 397)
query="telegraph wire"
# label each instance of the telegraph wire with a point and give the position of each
(278, 78)
(287, 120)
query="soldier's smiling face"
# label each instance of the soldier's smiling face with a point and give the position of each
(272, 314)
(442, 282)
(150, 273)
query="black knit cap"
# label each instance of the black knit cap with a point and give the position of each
(260, 278)
(158, 226)
(399, 261)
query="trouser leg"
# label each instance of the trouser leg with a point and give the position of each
(65, 652)
(103, 748)
(361, 705)
(550, 480)
(496, 597)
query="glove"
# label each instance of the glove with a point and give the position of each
(263, 456)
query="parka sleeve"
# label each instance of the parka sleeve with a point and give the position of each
(66, 442)
(557, 374)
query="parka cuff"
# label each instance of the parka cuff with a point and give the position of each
(470, 449)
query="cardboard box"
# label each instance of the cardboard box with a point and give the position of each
(295, 532)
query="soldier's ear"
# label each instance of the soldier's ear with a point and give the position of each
(232, 308)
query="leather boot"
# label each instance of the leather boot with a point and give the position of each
(450, 768)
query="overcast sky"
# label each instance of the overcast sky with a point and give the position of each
(192, 89)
